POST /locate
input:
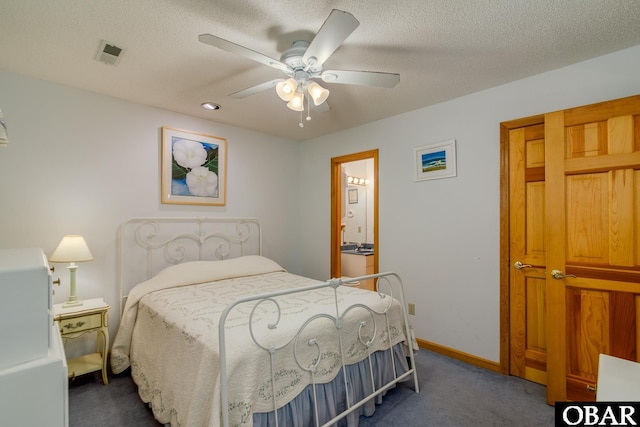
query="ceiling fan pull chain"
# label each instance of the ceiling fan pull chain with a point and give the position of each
(308, 109)
(301, 124)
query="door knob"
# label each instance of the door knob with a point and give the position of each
(519, 266)
(557, 274)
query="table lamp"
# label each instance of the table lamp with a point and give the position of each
(72, 249)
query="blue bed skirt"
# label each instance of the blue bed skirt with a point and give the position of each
(331, 396)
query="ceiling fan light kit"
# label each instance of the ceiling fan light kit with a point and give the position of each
(304, 61)
(293, 93)
(297, 101)
(317, 93)
(286, 89)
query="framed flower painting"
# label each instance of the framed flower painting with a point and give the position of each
(193, 168)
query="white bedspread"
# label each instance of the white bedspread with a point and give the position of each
(169, 336)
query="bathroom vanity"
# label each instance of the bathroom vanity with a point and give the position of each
(358, 261)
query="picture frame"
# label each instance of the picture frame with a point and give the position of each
(435, 161)
(194, 168)
(353, 196)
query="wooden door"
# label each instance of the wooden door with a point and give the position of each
(592, 216)
(574, 209)
(527, 253)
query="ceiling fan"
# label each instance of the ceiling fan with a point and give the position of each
(303, 62)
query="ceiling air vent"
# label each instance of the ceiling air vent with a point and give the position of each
(108, 53)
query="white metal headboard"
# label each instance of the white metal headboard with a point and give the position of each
(148, 245)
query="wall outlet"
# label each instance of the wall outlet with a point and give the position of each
(412, 309)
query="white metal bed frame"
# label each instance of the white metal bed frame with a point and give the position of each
(161, 242)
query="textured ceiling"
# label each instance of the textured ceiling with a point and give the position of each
(442, 49)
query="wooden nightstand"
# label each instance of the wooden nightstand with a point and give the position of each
(76, 321)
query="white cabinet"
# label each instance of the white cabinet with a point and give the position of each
(26, 309)
(33, 368)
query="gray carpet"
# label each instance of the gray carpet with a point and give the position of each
(452, 393)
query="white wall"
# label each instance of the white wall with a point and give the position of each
(442, 236)
(81, 163)
(84, 163)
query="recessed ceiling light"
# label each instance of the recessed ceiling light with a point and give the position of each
(211, 106)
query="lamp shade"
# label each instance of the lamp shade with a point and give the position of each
(317, 93)
(72, 248)
(286, 89)
(297, 102)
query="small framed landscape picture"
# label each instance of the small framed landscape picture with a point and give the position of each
(193, 168)
(435, 161)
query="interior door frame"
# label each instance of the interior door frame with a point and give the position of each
(336, 206)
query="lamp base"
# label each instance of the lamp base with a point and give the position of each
(72, 303)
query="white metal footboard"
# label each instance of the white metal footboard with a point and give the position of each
(388, 285)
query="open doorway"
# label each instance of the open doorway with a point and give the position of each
(363, 198)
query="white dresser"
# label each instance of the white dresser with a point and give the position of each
(33, 368)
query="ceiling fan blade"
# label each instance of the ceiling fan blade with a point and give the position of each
(362, 78)
(255, 89)
(241, 50)
(337, 27)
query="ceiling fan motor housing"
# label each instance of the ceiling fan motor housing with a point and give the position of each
(293, 56)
